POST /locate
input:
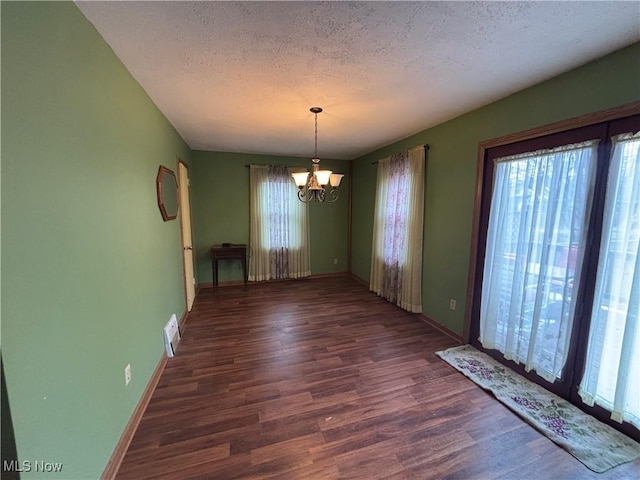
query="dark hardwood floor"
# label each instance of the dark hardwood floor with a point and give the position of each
(321, 379)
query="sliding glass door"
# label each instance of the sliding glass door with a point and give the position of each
(535, 245)
(612, 369)
(557, 287)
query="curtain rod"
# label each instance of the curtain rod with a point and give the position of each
(269, 165)
(426, 147)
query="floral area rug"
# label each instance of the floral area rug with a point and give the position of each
(594, 443)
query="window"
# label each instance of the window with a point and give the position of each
(279, 236)
(556, 275)
(396, 261)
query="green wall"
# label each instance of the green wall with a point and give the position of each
(90, 272)
(220, 211)
(451, 170)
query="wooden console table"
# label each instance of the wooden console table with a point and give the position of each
(228, 252)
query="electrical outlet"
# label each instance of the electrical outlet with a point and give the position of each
(335, 261)
(127, 374)
(452, 304)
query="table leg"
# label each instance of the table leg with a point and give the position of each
(244, 270)
(214, 274)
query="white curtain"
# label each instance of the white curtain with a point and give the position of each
(612, 374)
(396, 260)
(535, 244)
(279, 230)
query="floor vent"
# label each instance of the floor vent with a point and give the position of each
(171, 336)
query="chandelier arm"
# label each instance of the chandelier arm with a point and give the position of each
(332, 196)
(304, 195)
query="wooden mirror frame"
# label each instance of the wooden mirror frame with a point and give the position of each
(167, 189)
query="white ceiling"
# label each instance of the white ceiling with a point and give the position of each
(241, 76)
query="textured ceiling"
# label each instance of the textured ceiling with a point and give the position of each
(241, 76)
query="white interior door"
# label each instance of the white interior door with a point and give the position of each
(185, 227)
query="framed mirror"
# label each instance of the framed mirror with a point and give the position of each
(167, 188)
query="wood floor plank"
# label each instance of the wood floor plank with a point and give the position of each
(321, 379)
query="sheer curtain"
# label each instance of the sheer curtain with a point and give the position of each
(612, 374)
(279, 227)
(535, 244)
(396, 260)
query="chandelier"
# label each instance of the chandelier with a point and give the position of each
(319, 185)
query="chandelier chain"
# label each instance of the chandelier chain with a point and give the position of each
(316, 144)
